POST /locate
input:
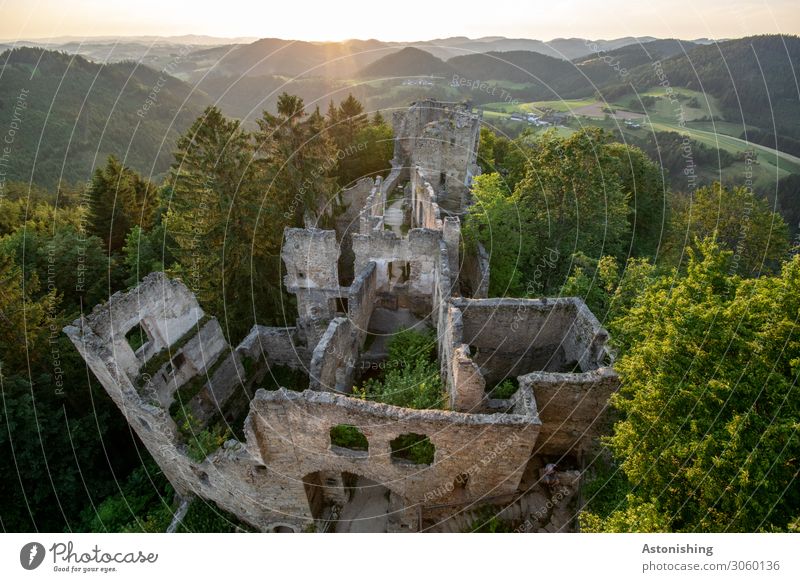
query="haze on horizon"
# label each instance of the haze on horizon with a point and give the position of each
(410, 20)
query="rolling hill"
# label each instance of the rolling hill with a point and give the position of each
(407, 62)
(755, 79)
(69, 114)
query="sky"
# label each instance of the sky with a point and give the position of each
(399, 20)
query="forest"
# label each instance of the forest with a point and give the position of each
(700, 291)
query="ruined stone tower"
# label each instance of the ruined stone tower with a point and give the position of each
(280, 469)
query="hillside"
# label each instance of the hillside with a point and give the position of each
(271, 56)
(514, 66)
(72, 113)
(755, 79)
(611, 65)
(560, 48)
(408, 62)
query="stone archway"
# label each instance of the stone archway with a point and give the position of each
(344, 502)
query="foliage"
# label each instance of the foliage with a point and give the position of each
(299, 156)
(364, 147)
(604, 489)
(738, 220)
(608, 292)
(411, 378)
(642, 181)
(147, 251)
(77, 112)
(215, 208)
(709, 436)
(202, 441)
(285, 377)
(506, 389)
(487, 521)
(486, 144)
(571, 199)
(414, 448)
(349, 437)
(143, 496)
(119, 199)
(494, 220)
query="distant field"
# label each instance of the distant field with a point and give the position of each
(701, 123)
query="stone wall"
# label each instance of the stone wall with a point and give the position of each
(311, 259)
(442, 139)
(230, 476)
(335, 357)
(277, 345)
(361, 298)
(293, 430)
(192, 358)
(425, 211)
(475, 273)
(512, 337)
(573, 408)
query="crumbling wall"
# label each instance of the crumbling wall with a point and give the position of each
(442, 139)
(294, 432)
(354, 199)
(192, 358)
(361, 298)
(419, 250)
(465, 383)
(512, 337)
(557, 348)
(335, 357)
(230, 476)
(277, 345)
(425, 211)
(311, 259)
(451, 234)
(469, 386)
(164, 309)
(572, 407)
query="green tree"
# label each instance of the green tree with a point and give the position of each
(120, 199)
(226, 230)
(300, 158)
(643, 183)
(495, 221)
(571, 200)
(741, 223)
(486, 145)
(363, 147)
(709, 437)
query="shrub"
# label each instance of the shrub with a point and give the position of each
(349, 437)
(414, 448)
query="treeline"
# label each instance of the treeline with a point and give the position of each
(217, 222)
(701, 295)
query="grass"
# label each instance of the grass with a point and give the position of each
(539, 107)
(487, 521)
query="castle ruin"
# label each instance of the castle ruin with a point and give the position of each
(394, 260)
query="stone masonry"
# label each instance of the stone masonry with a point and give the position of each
(279, 469)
